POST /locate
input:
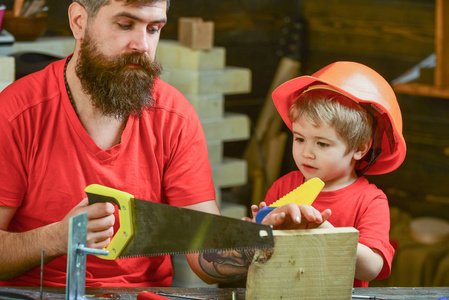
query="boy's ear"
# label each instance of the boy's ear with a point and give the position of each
(361, 151)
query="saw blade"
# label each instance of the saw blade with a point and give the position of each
(165, 229)
(150, 229)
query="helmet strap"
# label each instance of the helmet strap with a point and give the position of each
(374, 151)
(381, 125)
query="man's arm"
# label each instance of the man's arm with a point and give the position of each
(21, 251)
(221, 266)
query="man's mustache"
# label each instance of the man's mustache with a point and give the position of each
(139, 59)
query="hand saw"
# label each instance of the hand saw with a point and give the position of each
(303, 194)
(149, 228)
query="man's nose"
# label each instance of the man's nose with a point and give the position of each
(140, 41)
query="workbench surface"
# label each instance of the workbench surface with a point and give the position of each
(430, 293)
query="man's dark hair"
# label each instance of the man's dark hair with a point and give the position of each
(93, 6)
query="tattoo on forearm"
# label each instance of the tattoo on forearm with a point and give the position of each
(231, 265)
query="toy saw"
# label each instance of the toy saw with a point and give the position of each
(306, 193)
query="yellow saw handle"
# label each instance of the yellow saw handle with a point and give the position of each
(98, 193)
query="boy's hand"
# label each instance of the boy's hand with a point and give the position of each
(255, 209)
(292, 216)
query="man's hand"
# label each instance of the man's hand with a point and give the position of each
(21, 251)
(100, 223)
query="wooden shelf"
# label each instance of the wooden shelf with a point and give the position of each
(440, 88)
(420, 89)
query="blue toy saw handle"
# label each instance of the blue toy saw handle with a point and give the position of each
(261, 214)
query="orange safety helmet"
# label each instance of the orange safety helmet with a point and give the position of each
(366, 87)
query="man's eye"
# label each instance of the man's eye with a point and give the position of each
(153, 30)
(125, 26)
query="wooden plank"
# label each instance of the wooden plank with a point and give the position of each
(306, 264)
(442, 44)
(17, 8)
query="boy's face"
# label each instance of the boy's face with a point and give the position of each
(320, 152)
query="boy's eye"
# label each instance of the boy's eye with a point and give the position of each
(299, 139)
(321, 144)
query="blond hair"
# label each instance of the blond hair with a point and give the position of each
(351, 121)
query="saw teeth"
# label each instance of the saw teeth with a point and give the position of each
(263, 255)
(143, 255)
(303, 194)
(191, 252)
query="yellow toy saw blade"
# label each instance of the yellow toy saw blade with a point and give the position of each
(303, 194)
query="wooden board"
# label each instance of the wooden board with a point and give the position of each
(306, 264)
(442, 44)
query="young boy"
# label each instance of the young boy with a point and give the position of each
(346, 122)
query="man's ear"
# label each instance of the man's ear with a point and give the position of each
(361, 151)
(77, 20)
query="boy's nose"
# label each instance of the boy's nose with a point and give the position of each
(307, 151)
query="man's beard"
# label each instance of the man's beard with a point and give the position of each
(118, 86)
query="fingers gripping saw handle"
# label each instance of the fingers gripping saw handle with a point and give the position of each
(98, 193)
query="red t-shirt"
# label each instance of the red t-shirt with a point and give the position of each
(360, 205)
(47, 159)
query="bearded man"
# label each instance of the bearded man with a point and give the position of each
(99, 116)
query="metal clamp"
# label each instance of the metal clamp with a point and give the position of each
(76, 258)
